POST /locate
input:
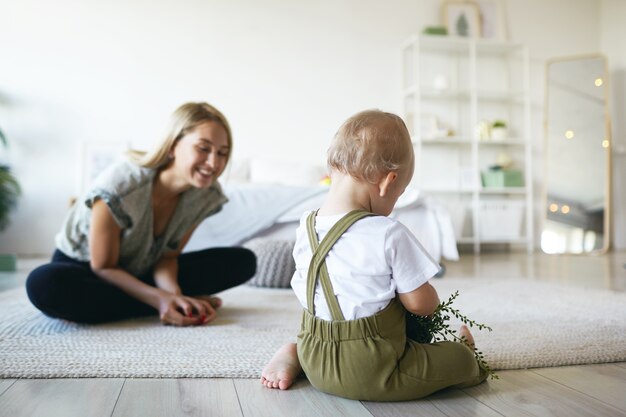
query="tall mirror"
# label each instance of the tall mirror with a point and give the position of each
(578, 166)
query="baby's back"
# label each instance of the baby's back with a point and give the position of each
(375, 258)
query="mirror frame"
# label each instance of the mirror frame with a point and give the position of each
(608, 135)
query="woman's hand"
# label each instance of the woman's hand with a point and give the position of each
(179, 310)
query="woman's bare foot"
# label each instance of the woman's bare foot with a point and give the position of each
(465, 333)
(282, 369)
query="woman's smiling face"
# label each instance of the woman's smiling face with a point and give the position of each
(201, 155)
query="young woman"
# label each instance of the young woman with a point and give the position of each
(119, 252)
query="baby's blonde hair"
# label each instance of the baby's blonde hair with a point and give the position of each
(369, 145)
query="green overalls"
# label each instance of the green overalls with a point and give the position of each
(370, 358)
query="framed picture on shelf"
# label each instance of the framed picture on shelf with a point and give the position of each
(493, 19)
(95, 157)
(429, 126)
(462, 18)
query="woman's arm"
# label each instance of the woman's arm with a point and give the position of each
(166, 269)
(104, 247)
(422, 301)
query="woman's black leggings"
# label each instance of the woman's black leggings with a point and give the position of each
(68, 289)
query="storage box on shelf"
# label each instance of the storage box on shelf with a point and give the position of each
(501, 220)
(454, 89)
(494, 178)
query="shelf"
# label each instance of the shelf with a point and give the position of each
(518, 240)
(506, 142)
(443, 141)
(486, 80)
(445, 190)
(443, 44)
(483, 191)
(470, 240)
(510, 96)
(503, 190)
(429, 93)
(493, 47)
(455, 140)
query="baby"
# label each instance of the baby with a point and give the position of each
(358, 272)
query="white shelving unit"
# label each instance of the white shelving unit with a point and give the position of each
(450, 86)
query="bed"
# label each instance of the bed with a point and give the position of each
(272, 211)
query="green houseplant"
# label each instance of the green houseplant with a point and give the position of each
(9, 194)
(499, 131)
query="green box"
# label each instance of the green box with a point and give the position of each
(498, 178)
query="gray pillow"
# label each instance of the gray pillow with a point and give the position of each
(275, 264)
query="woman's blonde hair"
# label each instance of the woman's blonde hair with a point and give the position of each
(185, 119)
(370, 144)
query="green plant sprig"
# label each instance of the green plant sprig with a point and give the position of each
(436, 328)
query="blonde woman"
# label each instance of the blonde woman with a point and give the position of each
(118, 254)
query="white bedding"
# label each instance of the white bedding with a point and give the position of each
(273, 211)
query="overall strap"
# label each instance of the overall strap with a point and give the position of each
(317, 267)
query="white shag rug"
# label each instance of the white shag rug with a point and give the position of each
(535, 324)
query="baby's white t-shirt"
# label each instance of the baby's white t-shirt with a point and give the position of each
(373, 260)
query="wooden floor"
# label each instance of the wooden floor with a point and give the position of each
(589, 390)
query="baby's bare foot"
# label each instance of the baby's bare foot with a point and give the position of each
(464, 332)
(282, 369)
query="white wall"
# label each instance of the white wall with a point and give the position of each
(285, 73)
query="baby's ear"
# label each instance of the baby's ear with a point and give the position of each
(385, 182)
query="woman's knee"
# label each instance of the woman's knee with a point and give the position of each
(246, 264)
(52, 288)
(42, 287)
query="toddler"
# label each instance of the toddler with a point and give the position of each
(358, 272)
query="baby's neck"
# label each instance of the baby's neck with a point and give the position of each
(346, 194)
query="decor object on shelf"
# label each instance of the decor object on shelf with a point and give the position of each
(499, 131)
(468, 178)
(501, 219)
(504, 160)
(482, 131)
(435, 30)
(440, 83)
(493, 19)
(96, 157)
(462, 18)
(498, 178)
(430, 128)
